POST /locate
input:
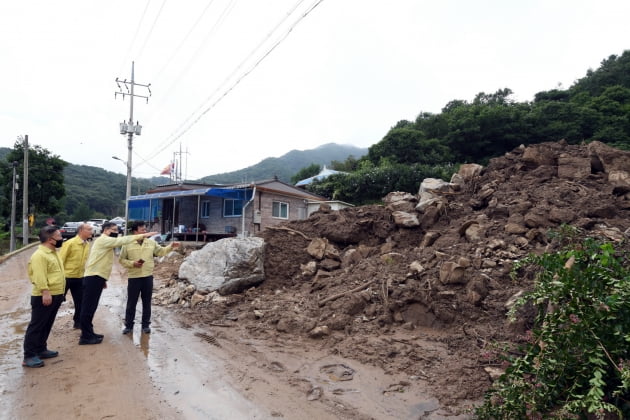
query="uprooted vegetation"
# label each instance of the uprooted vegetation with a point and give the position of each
(422, 284)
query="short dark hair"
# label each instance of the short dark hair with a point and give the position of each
(137, 224)
(108, 225)
(47, 232)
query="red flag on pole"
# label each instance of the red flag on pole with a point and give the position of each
(167, 169)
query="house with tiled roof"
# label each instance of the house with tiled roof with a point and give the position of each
(205, 212)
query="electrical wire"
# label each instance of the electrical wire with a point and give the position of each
(175, 137)
(222, 17)
(146, 39)
(135, 35)
(183, 41)
(235, 71)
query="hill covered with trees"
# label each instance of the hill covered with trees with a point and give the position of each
(595, 107)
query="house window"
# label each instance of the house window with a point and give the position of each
(205, 209)
(232, 208)
(280, 210)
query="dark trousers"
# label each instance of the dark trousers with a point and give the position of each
(75, 285)
(92, 289)
(42, 320)
(143, 287)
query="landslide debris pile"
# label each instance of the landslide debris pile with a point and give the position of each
(420, 284)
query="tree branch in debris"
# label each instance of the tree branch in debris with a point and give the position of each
(338, 295)
(288, 230)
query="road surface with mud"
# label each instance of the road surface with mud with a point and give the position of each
(179, 371)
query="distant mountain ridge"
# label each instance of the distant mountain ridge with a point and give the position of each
(104, 191)
(287, 165)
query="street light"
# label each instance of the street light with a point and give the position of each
(14, 186)
(128, 192)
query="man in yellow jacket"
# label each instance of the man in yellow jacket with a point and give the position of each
(73, 254)
(137, 257)
(97, 272)
(45, 271)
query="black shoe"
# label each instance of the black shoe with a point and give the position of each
(99, 336)
(146, 330)
(48, 354)
(93, 340)
(33, 362)
(127, 330)
(77, 326)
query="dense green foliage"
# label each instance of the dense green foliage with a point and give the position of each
(99, 193)
(370, 183)
(577, 360)
(45, 180)
(306, 172)
(596, 107)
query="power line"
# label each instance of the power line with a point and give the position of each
(183, 41)
(231, 75)
(146, 7)
(256, 64)
(222, 17)
(146, 39)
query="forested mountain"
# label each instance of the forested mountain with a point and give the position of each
(285, 166)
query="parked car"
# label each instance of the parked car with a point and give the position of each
(99, 222)
(96, 228)
(69, 229)
(121, 224)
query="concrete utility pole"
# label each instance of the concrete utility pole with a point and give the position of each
(13, 198)
(25, 195)
(130, 129)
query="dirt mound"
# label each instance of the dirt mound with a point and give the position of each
(420, 285)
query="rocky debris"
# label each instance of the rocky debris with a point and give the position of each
(433, 265)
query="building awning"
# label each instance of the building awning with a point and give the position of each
(230, 193)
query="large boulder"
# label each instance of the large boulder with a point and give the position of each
(227, 266)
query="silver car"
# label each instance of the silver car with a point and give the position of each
(69, 229)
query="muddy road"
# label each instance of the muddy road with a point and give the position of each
(161, 375)
(183, 371)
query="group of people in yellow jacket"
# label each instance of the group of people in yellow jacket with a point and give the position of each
(84, 269)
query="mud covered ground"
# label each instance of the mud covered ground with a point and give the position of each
(422, 302)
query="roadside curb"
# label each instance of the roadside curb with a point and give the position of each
(5, 257)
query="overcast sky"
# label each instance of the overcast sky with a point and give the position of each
(237, 81)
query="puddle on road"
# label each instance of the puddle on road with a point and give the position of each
(180, 365)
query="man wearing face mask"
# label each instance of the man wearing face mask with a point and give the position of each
(46, 273)
(97, 272)
(73, 254)
(137, 257)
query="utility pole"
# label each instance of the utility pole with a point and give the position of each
(130, 128)
(13, 188)
(25, 195)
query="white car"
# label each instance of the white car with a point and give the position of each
(96, 228)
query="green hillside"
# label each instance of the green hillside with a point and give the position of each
(95, 192)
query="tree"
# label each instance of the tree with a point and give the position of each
(306, 172)
(348, 165)
(409, 146)
(46, 189)
(82, 213)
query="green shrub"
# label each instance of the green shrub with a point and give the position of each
(576, 364)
